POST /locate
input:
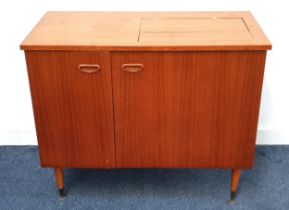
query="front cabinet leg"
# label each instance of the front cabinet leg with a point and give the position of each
(234, 183)
(59, 182)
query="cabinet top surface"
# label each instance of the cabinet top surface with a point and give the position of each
(147, 31)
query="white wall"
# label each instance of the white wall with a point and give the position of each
(18, 17)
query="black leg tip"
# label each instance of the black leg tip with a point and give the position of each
(232, 197)
(61, 194)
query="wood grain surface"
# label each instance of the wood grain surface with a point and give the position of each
(147, 31)
(187, 109)
(72, 109)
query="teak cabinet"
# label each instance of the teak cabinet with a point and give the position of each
(146, 90)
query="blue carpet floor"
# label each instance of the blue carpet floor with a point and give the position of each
(24, 185)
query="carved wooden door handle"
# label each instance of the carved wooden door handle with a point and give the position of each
(89, 68)
(132, 67)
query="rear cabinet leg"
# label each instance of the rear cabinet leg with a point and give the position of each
(234, 183)
(60, 182)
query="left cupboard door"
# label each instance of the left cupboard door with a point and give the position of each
(72, 102)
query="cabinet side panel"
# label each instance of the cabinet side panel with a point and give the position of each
(187, 109)
(72, 109)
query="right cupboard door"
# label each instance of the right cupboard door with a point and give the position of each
(186, 109)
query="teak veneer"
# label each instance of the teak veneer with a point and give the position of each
(146, 90)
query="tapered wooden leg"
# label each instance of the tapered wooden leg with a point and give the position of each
(234, 183)
(59, 182)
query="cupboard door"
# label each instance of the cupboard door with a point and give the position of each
(72, 101)
(186, 109)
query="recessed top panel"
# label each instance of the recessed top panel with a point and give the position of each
(210, 24)
(193, 29)
(150, 31)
